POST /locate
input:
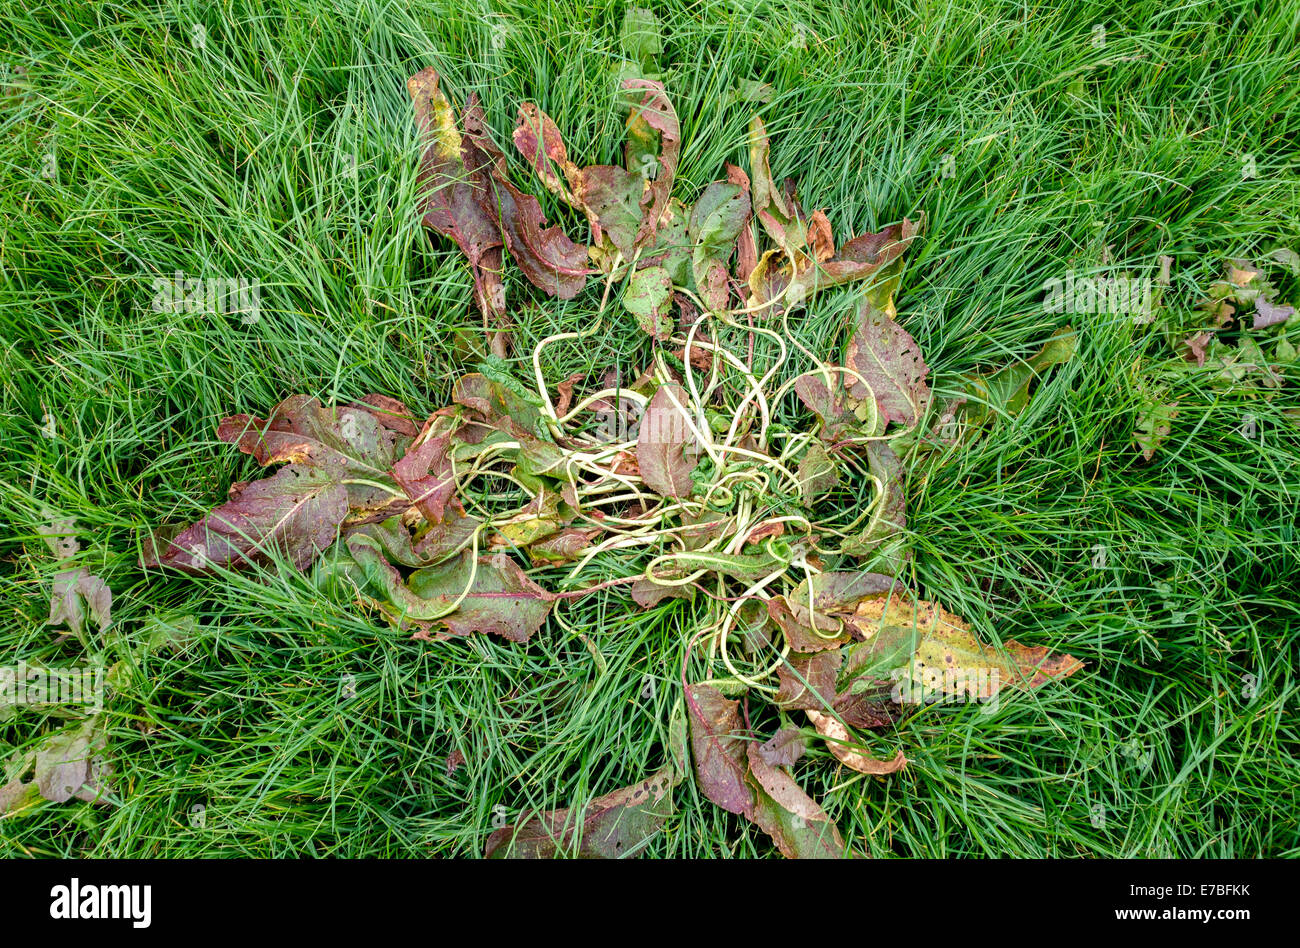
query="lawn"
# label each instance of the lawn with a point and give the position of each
(273, 143)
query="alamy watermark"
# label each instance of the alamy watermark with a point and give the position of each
(1095, 295)
(24, 684)
(209, 296)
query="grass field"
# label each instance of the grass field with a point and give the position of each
(273, 142)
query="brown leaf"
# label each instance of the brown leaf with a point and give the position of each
(501, 599)
(1268, 313)
(834, 406)
(784, 748)
(1196, 347)
(426, 472)
(653, 129)
(799, 827)
(798, 630)
(545, 255)
(808, 681)
(666, 451)
(74, 590)
(883, 353)
(343, 443)
(847, 751)
(565, 389)
(820, 237)
(719, 749)
(456, 193)
(540, 142)
(612, 826)
(298, 509)
(71, 763)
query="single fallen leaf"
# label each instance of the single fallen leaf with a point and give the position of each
(73, 589)
(665, 450)
(884, 354)
(948, 657)
(850, 753)
(719, 749)
(455, 193)
(799, 827)
(1268, 313)
(70, 763)
(648, 296)
(1196, 347)
(298, 510)
(612, 826)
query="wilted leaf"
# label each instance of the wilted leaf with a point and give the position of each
(653, 150)
(426, 472)
(348, 443)
(501, 600)
(539, 141)
(784, 748)
(799, 827)
(612, 826)
(847, 751)
(74, 590)
(716, 222)
(948, 656)
(649, 297)
(455, 191)
(666, 451)
(808, 681)
(611, 197)
(1270, 314)
(298, 509)
(889, 520)
(883, 353)
(719, 749)
(545, 255)
(71, 763)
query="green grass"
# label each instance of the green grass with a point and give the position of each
(281, 150)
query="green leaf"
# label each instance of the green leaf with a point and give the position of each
(649, 297)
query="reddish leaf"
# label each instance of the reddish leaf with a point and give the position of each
(653, 129)
(883, 353)
(799, 827)
(666, 450)
(720, 757)
(456, 194)
(538, 139)
(348, 442)
(501, 599)
(784, 748)
(612, 826)
(298, 509)
(808, 681)
(544, 255)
